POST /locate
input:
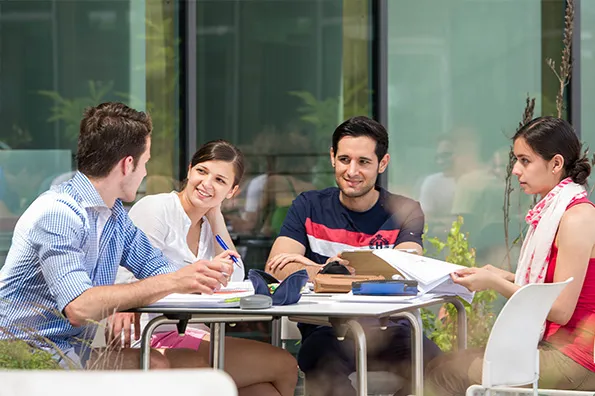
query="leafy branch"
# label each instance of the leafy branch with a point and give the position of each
(563, 75)
(508, 189)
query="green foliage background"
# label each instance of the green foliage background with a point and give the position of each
(441, 328)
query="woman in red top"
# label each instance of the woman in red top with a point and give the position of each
(560, 243)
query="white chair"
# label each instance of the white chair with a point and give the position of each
(511, 358)
(199, 382)
(289, 331)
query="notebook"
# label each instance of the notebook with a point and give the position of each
(433, 276)
(227, 297)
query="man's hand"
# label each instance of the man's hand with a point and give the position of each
(338, 258)
(341, 261)
(278, 262)
(121, 323)
(203, 276)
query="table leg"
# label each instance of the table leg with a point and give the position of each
(461, 323)
(217, 351)
(276, 332)
(361, 361)
(417, 352)
(145, 341)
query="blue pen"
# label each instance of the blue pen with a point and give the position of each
(223, 245)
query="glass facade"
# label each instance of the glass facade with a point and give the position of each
(459, 73)
(584, 79)
(58, 57)
(275, 78)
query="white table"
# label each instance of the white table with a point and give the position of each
(314, 310)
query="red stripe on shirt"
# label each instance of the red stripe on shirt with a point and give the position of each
(353, 238)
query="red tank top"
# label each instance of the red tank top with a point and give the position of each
(576, 338)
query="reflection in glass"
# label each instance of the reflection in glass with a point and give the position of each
(276, 78)
(58, 57)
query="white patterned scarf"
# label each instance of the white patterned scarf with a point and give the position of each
(543, 221)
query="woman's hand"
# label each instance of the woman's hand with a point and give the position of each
(226, 258)
(214, 214)
(509, 276)
(475, 279)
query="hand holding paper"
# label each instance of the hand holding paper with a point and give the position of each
(474, 279)
(432, 275)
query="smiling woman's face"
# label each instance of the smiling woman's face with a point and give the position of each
(209, 183)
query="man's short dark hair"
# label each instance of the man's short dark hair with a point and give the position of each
(363, 126)
(109, 132)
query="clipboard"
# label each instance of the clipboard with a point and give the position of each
(365, 262)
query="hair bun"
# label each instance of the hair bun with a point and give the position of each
(580, 170)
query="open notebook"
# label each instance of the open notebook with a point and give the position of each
(227, 297)
(433, 276)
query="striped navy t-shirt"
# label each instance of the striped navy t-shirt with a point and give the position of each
(319, 221)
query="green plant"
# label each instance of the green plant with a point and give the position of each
(21, 356)
(441, 327)
(326, 114)
(323, 113)
(70, 111)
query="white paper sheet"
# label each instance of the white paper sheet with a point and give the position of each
(432, 275)
(348, 297)
(227, 297)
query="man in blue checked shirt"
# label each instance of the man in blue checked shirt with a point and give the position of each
(58, 279)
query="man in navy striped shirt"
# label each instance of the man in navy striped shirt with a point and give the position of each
(58, 279)
(357, 214)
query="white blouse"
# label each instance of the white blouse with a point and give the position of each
(163, 219)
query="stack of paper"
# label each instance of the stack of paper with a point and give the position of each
(227, 297)
(433, 276)
(349, 297)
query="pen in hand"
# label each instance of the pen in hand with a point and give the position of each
(223, 245)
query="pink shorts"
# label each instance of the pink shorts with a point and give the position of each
(171, 339)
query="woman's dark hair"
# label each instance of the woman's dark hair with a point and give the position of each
(548, 136)
(221, 150)
(363, 126)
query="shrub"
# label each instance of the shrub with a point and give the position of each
(480, 314)
(19, 355)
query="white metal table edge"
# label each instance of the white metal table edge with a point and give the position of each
(193, 315)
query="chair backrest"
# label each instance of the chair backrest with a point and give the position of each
(511, 356)
(289, 330)
(199, 382)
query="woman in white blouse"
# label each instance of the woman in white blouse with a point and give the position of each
(183, 225)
